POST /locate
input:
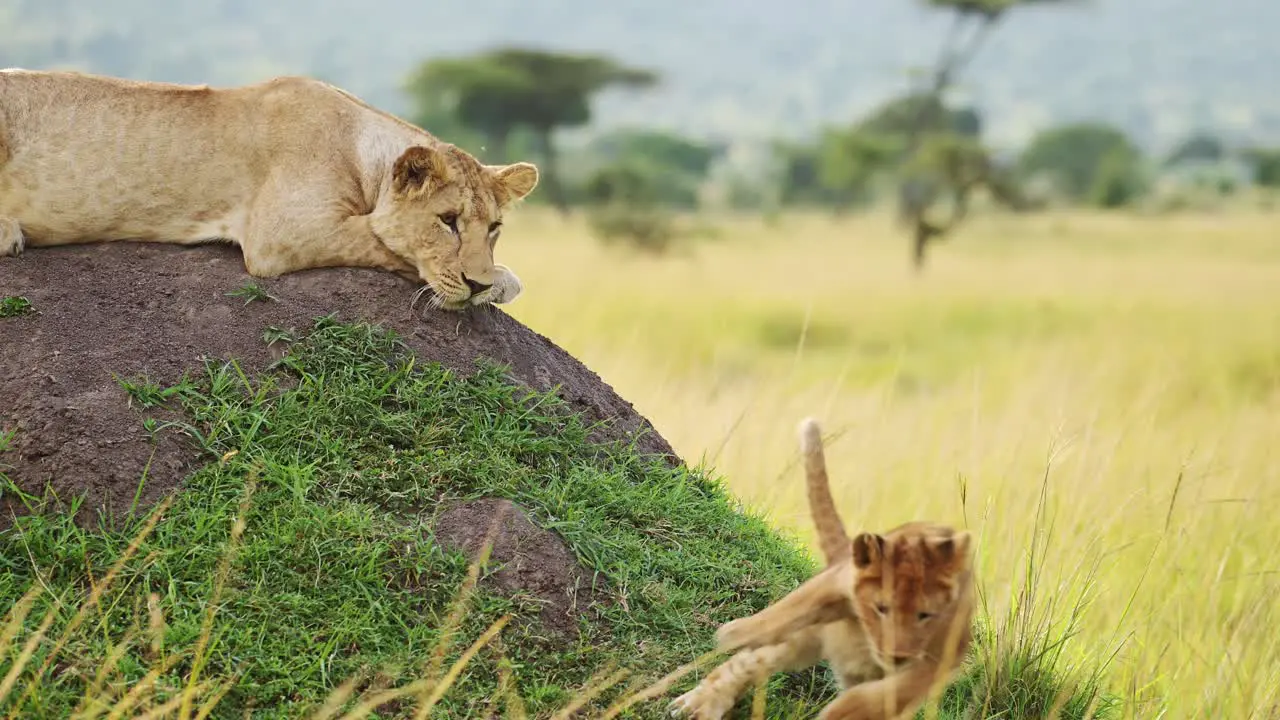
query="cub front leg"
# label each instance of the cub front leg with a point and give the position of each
(12, 240)
(895, 697)
(712, 698)
(821, 599)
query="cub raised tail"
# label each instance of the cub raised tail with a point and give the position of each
(832, 538)
(296, 172)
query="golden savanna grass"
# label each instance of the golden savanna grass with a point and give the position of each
(1133, 361)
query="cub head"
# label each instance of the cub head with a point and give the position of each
(443, 216)
(907, 589)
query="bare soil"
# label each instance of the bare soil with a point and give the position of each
(524, 559)
(130, 309)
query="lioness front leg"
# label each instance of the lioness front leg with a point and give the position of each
(280, 244)
(721, 688)
(821, 599)
(12, 240)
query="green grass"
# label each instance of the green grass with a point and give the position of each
(335, 576)
(147, 393)
(13, 306)
(251, 291)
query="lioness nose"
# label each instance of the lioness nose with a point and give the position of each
(476, 287)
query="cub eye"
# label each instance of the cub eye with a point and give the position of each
(450, 219)
(923, 616)
(882, 609)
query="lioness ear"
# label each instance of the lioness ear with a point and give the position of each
(417, 168)
(516, 180)
(868, 549)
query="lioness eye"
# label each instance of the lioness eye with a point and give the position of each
(924, 616)
(450, 219)
(495, 225)
(882, 608)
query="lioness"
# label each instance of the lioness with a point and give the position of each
(298, 173)
(890, 614)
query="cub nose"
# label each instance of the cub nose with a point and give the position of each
(476, 287)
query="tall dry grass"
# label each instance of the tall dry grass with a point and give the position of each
(1130, 365)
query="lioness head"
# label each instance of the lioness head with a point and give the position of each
(443, 216)
(906, 590)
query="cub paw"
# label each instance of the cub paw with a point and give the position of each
(734, 634)
(856, 706)
(700, 704)
(12, 241)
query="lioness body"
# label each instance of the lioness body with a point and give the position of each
(296, 172)
(862, 614)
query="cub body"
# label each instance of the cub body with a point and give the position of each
(890, 613)
(298, 173)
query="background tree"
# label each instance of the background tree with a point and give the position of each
(499, 90)
(1266, 166)
(924, 186)
(661, 148)
(465, 98)
(1118, 180)
(1199, 147)
(851, 160)
(671, 168)
(800, 173)
(1074, 155)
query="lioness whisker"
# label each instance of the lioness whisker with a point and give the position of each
(417, 296)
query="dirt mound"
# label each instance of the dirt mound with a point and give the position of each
(133, 309)
(525, 559)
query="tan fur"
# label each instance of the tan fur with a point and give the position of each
(862, 614)
(299, 174)
(832, 538)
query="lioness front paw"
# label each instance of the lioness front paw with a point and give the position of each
(12, 241)
(506, 286)
(700, 703)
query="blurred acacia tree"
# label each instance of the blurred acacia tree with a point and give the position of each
(495, 92)
(1199, 147)
(1076, 155)
(663, 167)
(634, 195)
(1266, 166)
(940, 160)
(624, 207)
(934, 149)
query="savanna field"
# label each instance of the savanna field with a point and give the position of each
(1095, 395)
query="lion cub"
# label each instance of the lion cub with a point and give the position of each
(890, 613)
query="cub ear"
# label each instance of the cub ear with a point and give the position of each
(515, 181)
(417, 168)
(868, 549)
(949, 550)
